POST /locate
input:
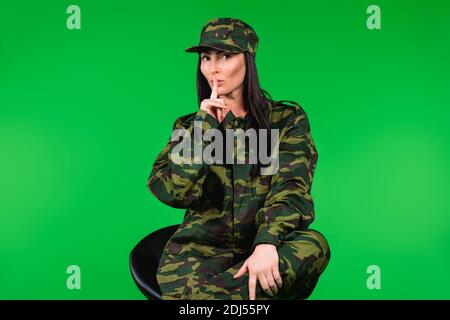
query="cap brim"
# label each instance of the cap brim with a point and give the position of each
(203, 47)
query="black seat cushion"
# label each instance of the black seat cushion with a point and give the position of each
(144, 260)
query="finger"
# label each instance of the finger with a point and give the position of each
(252, 286)
(214, 89)
(241, 271)
(219, 115)
(211, 111)
(271, 281)
(277, 277)
(264, 285)
(223, 101)
(213, 102)
(216, 104)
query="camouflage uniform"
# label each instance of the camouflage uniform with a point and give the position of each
(228, 213)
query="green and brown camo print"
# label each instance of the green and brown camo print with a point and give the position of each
(228, 34)
(228, 213)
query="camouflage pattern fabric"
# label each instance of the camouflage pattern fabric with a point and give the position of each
(227, 34)
(229, 213)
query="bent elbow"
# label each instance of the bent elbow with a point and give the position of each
(170, 196)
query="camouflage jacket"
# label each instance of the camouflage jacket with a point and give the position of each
(228, 210)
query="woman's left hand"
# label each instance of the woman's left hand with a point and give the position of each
(262, 265)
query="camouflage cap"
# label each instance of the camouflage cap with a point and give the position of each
(227, 34)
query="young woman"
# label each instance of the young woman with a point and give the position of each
(245, 235)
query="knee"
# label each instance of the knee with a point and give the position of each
(304, 256)
(321, 241)
(311, 243)
(322, 245)
(309, 246)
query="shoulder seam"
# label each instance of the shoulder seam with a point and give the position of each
(299, 111)
(185, 118)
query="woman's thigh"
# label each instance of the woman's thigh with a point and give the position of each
(303, 256)
(180, 274)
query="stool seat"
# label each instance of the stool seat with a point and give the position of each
(144, 261)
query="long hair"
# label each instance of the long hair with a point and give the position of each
(256, 99)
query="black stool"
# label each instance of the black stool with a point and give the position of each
(144, 260)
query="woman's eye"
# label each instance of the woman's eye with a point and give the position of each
(224, 56)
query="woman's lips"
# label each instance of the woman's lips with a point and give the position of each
(219, 82)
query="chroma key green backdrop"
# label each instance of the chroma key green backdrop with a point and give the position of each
(84, 113)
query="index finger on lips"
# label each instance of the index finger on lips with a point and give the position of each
(214, 89)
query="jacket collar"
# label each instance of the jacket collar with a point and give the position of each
(231, 121)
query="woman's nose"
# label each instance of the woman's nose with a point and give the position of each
(214, 66)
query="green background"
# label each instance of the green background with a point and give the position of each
(84, 113)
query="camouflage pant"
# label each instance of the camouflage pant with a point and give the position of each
(303, 256)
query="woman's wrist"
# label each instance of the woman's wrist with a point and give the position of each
(263, 246)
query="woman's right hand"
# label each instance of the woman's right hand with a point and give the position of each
(214, 106)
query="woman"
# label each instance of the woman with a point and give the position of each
(245, 234)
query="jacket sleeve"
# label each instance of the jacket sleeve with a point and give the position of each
(179, 184)
(289, 204)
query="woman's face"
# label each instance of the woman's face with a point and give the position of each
(227, 68)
